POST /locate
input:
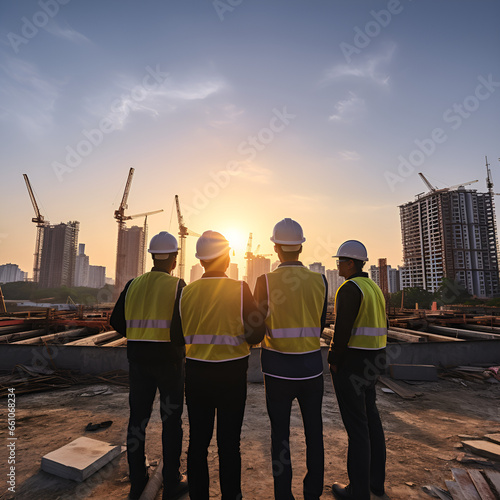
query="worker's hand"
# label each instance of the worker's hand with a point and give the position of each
(333, 368)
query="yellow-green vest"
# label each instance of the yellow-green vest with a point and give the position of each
(212, 320)
(295, 299)
(149, 306)
(370, 327)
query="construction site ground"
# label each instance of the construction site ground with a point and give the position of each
(422, 436)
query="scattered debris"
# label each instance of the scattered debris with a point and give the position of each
(102, 425)
(398, 388)
(96, 390)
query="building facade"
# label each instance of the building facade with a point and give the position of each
(452, 234)
(317, 267)
(334, 281)
(58, 259)
(392, 277)
(10, 273)
(257, 266)
(130, 258)
(82, 267)
(196, 272)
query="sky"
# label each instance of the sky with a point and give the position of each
(249, 110)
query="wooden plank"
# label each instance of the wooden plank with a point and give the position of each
(405, 337)
(455, 490)
(430, 336)
(54, 336)
(466, 485)
(399, 389)
(94, 339)
(483, 448)
(493, 437)
(12, 337)
(468, 334)
(493, 478)
(116, 343)
(481, 485)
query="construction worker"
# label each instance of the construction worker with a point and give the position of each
(143, 313)
(219, 320)
(294, 300)
(357, 354)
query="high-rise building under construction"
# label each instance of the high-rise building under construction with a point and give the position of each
(450, 233)
(130, 258)
(58, 255)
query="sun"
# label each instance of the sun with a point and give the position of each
(237, 241)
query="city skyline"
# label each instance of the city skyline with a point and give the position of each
(324, 112)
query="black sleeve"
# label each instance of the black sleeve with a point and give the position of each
(348, 303)
(176, 333)
(253, 319)
(325, 305)
(117, 319)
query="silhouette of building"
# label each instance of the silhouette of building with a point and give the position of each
(82, 267)
(196, 272)
(334, 281)
(317, 267)
(131, 256)
(233, 271)
(257, 266)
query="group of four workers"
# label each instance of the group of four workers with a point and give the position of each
(196, 339)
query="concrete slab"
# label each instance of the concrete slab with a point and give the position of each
(413, 372)
(79, 459)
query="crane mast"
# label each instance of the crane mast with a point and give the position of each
(40, 222)
(183, 233)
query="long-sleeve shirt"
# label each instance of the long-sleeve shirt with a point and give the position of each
(347, 304)
(149, 352)
(282, 365)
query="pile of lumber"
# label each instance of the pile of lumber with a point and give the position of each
(473, 373)
(29, 379)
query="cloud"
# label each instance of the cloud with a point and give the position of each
(370, 69)
(254, 173)
(229, 113)
(346, 109)
(28, 98)
(193, 91)
(66, 33)
(349, 155)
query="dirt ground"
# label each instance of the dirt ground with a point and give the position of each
(421, 435)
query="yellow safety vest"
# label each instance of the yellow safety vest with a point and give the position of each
(212, 320)
(295, 299)
(370, 327)
(149, 306)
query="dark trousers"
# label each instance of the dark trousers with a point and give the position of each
(366, 455)
(145, 379)
(280, 394)
(215, 390)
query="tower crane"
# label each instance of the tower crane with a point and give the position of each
(183, 233)
(40, 222)
(433, 189)
(122, 275)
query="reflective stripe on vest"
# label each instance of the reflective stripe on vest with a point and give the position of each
(149, 306)
(295, 299)
(212, 320)
(370, 327)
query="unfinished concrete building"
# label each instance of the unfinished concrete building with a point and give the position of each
(58, 256)
(450, 233)
(130, 257)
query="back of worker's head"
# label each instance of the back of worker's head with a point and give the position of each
(288, 238)
(212, 249)
(163, 249)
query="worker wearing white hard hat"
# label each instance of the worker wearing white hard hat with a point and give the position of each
(356, 356)
(155, 351)
(294, 300)
(219, 321)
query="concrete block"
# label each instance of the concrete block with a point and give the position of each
(79, 459)
(413, 372)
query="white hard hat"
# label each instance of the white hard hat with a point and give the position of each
(211, 245)
(352, 249)
(163, 243)
(289, 233)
